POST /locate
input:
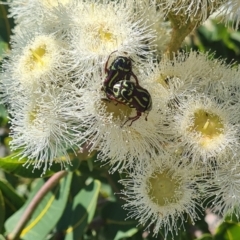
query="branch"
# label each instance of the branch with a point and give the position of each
(179, 31)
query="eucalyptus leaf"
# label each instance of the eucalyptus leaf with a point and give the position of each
(12, 200)
(79, 211)
(2, 210)
(15, 165)
(205, 237)
(117, 227)
(3, 48)
(107, 192)
(3, 111)
(47, 213)
(228, 230)
(2, 237)
(6, 24)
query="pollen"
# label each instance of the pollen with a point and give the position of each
(163, 189)
(208, 125)
(105, 34)
(102, 37)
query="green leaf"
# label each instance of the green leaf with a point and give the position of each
(106, 192)
(3, 48)
(3, 112)
(12, 164)
(228, 231)
(117, 227)
(2, 211)
(75, 162)
(235, 36)
(12, 200)
(2, 237)
(80, 210)
(6, 24)
(47, 213)
(205, 237)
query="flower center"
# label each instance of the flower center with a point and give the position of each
(163, 80)
(102, 38)
(163, 189)
(36, 119)
(117, 110)
(207, 124)
(105, 34)
(32, 116)
(36, 57)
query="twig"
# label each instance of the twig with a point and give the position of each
(51, 183)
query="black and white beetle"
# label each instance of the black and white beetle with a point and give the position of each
(134, 96)
(120, 69)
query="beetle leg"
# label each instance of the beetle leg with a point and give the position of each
(105, 68)
(139, 114)
(106, 99)
(128, 76)
(146, 116)
(109, 100)
(111, 97)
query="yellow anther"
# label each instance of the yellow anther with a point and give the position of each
(37, 57)
(206, 124)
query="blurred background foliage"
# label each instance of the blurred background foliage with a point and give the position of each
(215, 37)
(85, 204)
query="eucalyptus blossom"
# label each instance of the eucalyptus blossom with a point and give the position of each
(161, 193)
(42, 128)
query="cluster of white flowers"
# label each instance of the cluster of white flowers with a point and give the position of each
(52, 83)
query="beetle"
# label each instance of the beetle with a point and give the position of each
(134, 96)
(120, 69)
